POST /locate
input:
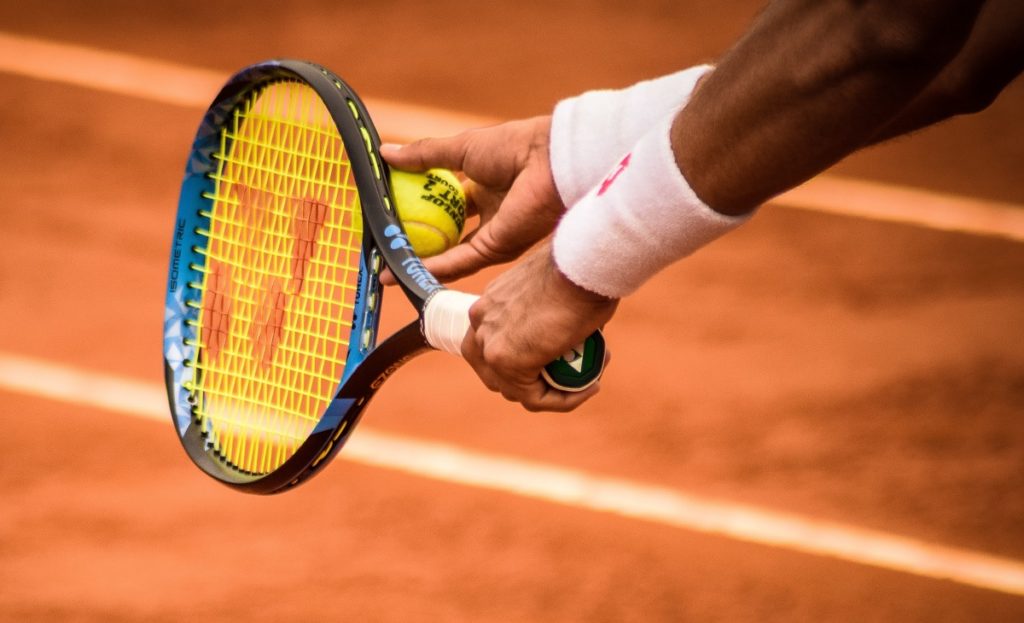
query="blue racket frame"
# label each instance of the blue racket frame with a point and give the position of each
(367, 364)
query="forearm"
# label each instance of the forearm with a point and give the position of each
(810, 83)
(992, 58)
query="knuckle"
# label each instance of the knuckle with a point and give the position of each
(534, 407)
(510, 394)
(499, 358)
(488, 379)
(477, 311)
(418, 146)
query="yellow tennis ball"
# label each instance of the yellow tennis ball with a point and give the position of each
(432, 208)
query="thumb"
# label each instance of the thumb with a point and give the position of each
(464, 259)
(428, 153)
(477, 252)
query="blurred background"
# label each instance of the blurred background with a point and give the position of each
(826, 369)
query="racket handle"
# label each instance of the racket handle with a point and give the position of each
(446, 322)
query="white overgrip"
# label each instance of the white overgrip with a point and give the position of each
(446, 320)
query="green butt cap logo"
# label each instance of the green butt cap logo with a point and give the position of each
(579, 368)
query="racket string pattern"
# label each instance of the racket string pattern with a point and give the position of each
(276, 300)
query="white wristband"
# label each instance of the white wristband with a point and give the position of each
(591, 131)
(641, 218)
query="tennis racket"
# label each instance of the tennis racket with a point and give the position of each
(285, 222)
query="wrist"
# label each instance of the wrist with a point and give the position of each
(590, 309)
(574, 292)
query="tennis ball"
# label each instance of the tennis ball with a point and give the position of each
(432, 208)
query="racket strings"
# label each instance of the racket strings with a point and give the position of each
(279, 283)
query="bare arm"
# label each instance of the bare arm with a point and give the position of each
(992, 57)
(810, 83)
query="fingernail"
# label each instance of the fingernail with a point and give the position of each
(392, 146)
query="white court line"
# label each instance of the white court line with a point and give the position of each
(561, 485)
(191, 87)
(181, 85)
(910, 206)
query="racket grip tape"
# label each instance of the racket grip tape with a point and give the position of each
(446, 322)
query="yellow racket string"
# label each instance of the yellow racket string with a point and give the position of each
(278, 287)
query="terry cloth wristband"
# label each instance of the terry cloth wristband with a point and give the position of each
(641, 218)
(590, 132)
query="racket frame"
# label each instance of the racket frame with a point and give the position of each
(367, 364)
(384, 243)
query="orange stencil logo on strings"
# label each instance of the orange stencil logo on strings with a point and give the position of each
(279, 255)
(216, 309)
(306, 228)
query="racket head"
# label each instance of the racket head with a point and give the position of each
(273, 297)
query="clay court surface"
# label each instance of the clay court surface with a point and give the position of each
(821, 366)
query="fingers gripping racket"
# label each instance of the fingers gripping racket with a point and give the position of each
(284, 224)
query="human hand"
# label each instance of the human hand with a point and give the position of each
(526, 318)
(508, 184)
